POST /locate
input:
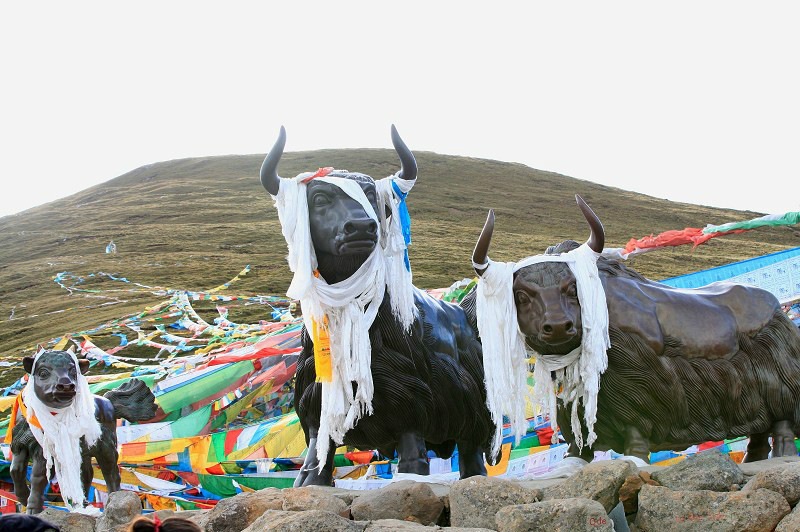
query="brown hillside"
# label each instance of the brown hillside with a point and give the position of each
(195, 223)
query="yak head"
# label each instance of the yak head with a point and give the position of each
(342, 232)
(545, 294)
(55, 382)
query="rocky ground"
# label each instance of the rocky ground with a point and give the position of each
(707, 492)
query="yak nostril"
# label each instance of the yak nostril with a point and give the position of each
(547, 328)
(368, 226)
(568, 326)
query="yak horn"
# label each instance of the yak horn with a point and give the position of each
(479, 255)
(408, 165)
(269, 169)
(597, 238)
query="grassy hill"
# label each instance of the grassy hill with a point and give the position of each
(195, 223)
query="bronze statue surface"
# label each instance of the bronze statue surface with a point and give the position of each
(428, 379)
(684, 367)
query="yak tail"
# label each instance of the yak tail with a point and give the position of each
(133, 401)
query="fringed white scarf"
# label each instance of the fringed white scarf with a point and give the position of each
(60, 435)
(505, 351)
(350, 306)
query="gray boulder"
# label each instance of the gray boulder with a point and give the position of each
(309, 498)
(556, 515)
(310, 521)
(405, 500)
(790, 523)
(665, 510)
(598, 481)
(475, 501)
(236, 513)
(708, 470)
(69, 521)
(121, 508)
(395, 525)
(783, 479)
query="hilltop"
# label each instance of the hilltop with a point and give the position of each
(195, 223)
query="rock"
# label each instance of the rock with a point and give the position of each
(555, 515)
(301, 499)
(753, 468)
(121, 508)
(665, 510)
(629, 491)
(708, 470)
(395, 525)
(462, 529)
(404, 500)
(312, 520)
(598, 481)
(474, 501)
(790, 523)
(68, 521)
(164, 514)
(236, 513)
(346, 495)
(783, 479)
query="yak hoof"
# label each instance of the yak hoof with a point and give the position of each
(758, 448)
(783, 440)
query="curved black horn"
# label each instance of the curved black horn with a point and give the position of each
(597, 238)
(269, 169)
(408, 164)
(482, 247)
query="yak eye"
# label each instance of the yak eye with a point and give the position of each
(43, 373)
(572, 291)
(371, 196)
(319, 199)
(522, 298)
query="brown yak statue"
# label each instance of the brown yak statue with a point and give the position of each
(685, 366)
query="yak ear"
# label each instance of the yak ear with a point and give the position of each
(27, 363)
(84, 364)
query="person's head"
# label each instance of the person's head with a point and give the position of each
(25, 523)
(171, 524)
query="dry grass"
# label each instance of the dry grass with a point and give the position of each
(194, 223)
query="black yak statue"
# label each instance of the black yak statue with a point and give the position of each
(684, 367)
(58, 390)
(427, 379)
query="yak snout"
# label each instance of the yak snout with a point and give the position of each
(557, 331)
(359, 235)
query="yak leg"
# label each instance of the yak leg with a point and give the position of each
(783, 439)
(470, 460)
(413, 454)
(636, 444)
(107, 460)
(310, 475)
(19, 470)
(38, 483)
(758, 448)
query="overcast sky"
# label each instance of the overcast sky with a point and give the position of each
(691, 101)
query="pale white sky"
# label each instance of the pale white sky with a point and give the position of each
(692, 101)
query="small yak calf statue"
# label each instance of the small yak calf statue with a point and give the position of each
(60, 391)
(684, 366)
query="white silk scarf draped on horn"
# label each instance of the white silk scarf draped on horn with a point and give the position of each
(349, 306)
(61, 432)
(577, 374)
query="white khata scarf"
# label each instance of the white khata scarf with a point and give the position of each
(342, 313)
(505, 351)
(60, 434)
